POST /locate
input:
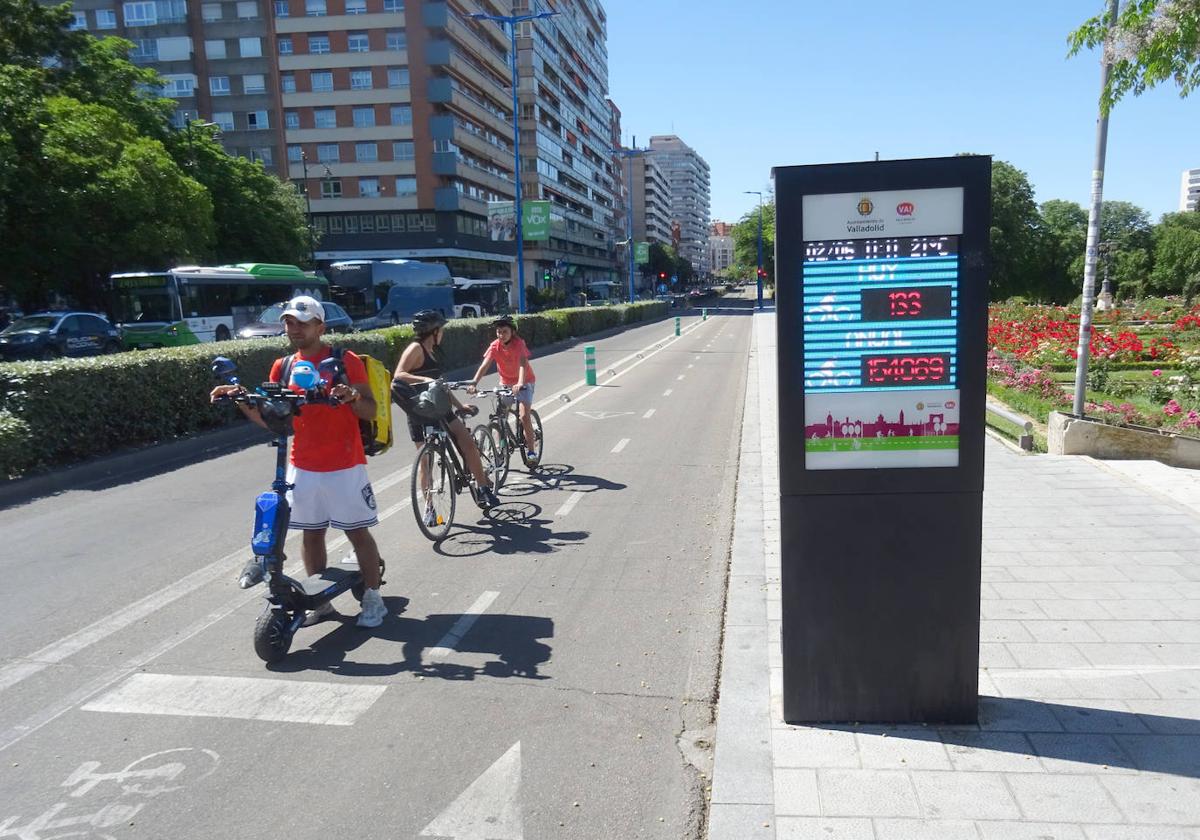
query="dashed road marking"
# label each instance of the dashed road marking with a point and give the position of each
(667, 392)
(461, 627)
(569, 504)
(648, 414)
(680, 376)
(621, 444)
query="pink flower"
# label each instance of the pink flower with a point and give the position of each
(1156, 373)
(1172, 408)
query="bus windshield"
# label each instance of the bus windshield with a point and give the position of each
(145, 301)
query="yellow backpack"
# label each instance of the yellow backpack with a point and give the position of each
(376, 433)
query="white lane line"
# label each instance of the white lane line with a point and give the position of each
(689, 367)
(243, 698)
(680, 376)
(569, 504)
(667, 392)
(489, 808)
(649, 414)
(621, 444)
(461, 627)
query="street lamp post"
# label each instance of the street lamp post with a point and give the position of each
(759, 274)
(511, 22)
(312, 256)
(629, 154)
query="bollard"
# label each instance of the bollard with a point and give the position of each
(589, 364)
(676, 325)
(703, 314)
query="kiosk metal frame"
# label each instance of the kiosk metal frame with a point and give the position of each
(881, 303)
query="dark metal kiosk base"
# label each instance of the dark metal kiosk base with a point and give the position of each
(881, 301)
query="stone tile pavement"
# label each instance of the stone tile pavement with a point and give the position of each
(1090, 669)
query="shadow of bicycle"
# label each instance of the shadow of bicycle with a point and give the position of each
(555, 477)
(513, 528)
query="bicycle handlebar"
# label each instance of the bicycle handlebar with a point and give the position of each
(258, 396)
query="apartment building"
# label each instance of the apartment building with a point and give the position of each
(651, 201)
(720, 252)
(216, 60)
(688, 180)
(1189, 190)
(566, 125)
(718, 228)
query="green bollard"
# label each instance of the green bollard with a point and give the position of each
(676, 325)
(704, 314)
(589, 364)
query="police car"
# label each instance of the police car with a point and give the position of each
(50, 335)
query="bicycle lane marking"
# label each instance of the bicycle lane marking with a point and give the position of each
(30, 664)
(455, 634)
(621, 444)
(569, 504)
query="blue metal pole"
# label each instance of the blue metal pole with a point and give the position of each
(629, 227)
(760, 260)
(512, 35)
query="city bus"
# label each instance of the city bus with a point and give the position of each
(473, 298)
(194, 304)
(379, 293)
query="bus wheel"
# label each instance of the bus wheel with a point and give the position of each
(222, 333)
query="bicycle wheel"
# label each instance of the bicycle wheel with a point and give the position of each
(493, 465)
(531, 463)
(433, 493)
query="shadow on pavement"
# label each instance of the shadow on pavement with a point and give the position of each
(512, 530)
(1072, 735)
(512, 641)
(555, 477)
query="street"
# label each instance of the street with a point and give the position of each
(548, 671)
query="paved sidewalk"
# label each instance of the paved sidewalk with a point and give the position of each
(1090, 669)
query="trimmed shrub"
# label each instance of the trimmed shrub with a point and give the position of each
(72, 409)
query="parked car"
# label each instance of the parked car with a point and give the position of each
(51, 335)
(268, 323)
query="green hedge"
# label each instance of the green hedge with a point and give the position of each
(71, 409)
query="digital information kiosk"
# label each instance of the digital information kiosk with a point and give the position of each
(881, 299)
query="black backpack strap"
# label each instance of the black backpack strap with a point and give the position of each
(285, 369)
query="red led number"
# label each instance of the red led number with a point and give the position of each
(903, 369)
(905, 304)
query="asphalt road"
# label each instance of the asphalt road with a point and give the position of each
(549, 672)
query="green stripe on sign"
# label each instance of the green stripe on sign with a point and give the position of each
(885, 444)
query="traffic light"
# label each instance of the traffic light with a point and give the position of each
(762, 273)
(546, 276)
(662, 275)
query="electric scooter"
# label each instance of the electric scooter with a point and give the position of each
(288, 600)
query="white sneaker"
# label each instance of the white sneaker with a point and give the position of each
(374, 611)
(319, 614)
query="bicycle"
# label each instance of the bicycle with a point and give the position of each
(438, 475)
(505, 433)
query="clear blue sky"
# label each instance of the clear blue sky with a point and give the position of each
(760, 83)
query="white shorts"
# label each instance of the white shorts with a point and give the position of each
(342, 499)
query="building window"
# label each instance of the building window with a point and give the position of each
(360, 80)
(247, 10)
(403, 150)
(314, 8)
(364, 117)
(356, 7)
(174, 49)
(78, 21)
(397, 77)
(397, 40)
(250, 47)
(179, 87)
(393, 5)
(318, 44)
(328, 153)
(218, 85)
(144, 50)
(406, 186)
(224, 119)
(282, 8)
(357, 42)
(287, 83)
(322, 81)
(291, 119)
(263, 155)
(214, 49)
(210, 12)
(366, 152)
(325, 118)
(296, 154)
(254, 83)
(401, 115)
(284, 43)
(331, 189)
(368, 187)
(171, 11)
(257, 120)
(106, 19)
(141, 14)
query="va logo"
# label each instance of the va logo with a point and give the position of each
(369, 496)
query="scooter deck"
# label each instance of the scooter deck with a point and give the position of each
(314, 585)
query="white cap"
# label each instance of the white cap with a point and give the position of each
(304, 308)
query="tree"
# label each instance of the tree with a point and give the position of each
(1064, 238)
(1177, 255)
(1016, 235)
(1153, 41)
(745, 240)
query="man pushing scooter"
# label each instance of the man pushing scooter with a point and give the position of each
(328, 466)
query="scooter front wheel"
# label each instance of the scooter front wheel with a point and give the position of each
(272, 635)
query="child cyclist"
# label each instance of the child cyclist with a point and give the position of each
(511, 356)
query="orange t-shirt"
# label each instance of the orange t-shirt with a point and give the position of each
(509, 358)
(326, 436)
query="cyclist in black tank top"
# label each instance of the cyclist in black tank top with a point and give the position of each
(419, 365)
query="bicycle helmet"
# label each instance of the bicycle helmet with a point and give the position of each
(428, 320)
(504, 321)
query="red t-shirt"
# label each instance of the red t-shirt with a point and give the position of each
(509, 358)
(326, 436)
